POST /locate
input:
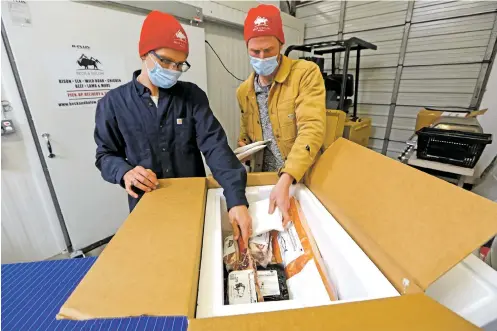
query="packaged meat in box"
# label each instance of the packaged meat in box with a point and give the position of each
(259, 247)
(229, 252)
(272, 282)
(243, 260)
(241, 287)
(296, 249)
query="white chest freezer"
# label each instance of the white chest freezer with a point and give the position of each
(469, 289)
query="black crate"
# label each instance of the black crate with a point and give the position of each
(452, 147)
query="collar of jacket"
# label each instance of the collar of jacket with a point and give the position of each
(140, 88)
(281, 75)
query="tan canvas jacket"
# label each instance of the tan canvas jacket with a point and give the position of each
(297, 112)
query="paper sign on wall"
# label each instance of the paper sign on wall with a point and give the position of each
(82, 76)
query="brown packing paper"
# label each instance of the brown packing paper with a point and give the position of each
(424, 224)
(151, 265)
(408, 313)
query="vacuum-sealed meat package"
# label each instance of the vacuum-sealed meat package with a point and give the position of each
(259, 247)
(272, 282)
(229, 253)
(296, 249)
(240, 285)
(243, 260)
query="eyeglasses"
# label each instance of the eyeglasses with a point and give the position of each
(180, 66)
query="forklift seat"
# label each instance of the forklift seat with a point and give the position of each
(333, 87)
(333, 82)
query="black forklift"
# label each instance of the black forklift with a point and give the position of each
(340, 86)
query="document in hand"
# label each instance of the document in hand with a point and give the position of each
(247, 150)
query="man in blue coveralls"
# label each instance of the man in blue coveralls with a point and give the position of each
(156, 127)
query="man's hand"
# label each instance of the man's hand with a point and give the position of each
(241, 221)
(280, 197)
(139, 177)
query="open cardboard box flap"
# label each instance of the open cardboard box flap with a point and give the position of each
(426, 225)
(407, 313)
(151, 265)
(412, 225)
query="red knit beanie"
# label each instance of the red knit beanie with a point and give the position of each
(263, 20)
(161, 30)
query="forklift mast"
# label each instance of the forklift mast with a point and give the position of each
(333, 47)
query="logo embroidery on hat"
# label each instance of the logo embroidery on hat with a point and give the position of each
(180, 35)
(260, 24)
(180, 38)
(260, 21)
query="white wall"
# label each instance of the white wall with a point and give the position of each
(489, 120)
(229, 44)
(488, 188)
(30, 227)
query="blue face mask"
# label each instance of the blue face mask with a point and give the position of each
(264, 67)
(161, 77)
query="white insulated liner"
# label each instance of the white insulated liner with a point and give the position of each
(469, 289)
(355, 276)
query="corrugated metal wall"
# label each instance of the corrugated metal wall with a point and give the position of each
(448, 48)
(430, 53)
(489, 122)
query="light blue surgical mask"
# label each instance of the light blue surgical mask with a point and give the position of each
(161, 77)
(264, 67)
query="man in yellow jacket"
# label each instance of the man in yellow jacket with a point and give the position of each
(283, 101)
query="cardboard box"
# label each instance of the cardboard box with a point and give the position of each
(335, 123)
(427, 117)
(413, 226)
(358, 130)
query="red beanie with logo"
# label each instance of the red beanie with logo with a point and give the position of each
(263, 20)
(161, 30)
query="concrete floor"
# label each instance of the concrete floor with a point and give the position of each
(94, 252)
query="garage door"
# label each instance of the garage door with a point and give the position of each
(430, 54)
